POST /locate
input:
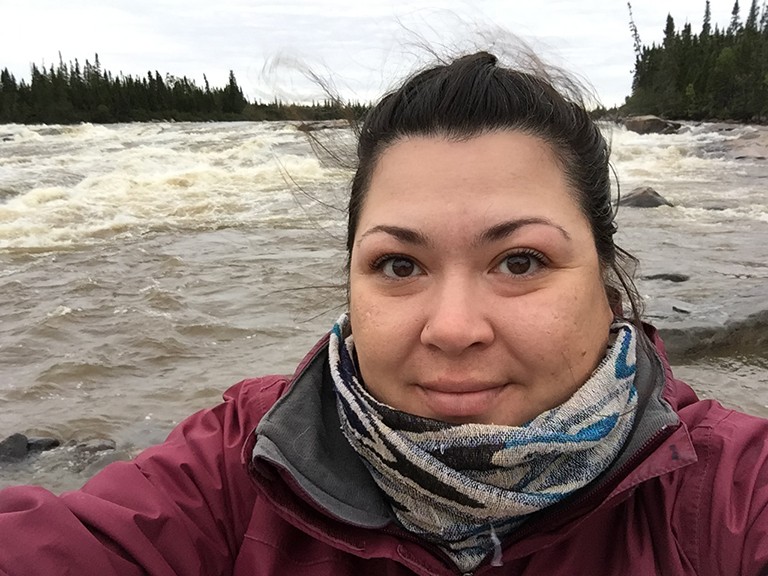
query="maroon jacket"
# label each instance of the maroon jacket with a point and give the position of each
(689, 495)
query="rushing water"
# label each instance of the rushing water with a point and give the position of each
(144, 268)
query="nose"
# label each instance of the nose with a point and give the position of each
(457, 317)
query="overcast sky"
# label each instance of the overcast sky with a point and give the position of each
(363, 46)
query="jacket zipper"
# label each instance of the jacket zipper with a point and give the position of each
(428, 546)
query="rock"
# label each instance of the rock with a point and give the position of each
(747, 335)
(315, 125)
(749, 146)
(671, 277)
(17, 447)
(98, 445)
(13, 448)
(42, 444)
(651, 125)
(644, 197)
(745, 157)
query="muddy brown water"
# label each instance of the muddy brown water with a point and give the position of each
(146, 268)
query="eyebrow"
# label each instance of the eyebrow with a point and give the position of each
(505, 229)
(405, 235)
(492, 234)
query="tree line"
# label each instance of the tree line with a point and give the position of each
(70, 93)
(719, 73)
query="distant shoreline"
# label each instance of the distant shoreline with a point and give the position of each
(309, 121)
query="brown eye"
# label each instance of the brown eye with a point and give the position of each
(400, 268)
(520, 264)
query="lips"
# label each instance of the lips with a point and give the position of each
(460, 401)
(466, 386)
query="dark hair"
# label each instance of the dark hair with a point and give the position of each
(473, 95)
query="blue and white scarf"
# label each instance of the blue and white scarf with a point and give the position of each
(466, 487)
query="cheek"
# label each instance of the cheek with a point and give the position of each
(386, 336)
(566, 327)
(364, 315)
(375, 316)
(373, 331)
(585, 318)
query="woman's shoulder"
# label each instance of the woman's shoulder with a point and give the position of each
(724, 429)
(255, 396)
(725, 493)
(729, 445)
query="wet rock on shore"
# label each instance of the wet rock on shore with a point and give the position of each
(743, 336)
(651, 125)
(644, 197)
(17, 447)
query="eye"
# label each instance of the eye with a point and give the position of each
(397, 267)
(521, 264)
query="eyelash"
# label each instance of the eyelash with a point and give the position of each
(535, 254)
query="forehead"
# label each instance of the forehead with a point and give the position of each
(506, 174)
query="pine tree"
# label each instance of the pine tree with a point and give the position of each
(670, 97)
(9, 96)
(233, 100)
(706, 27)
(735, 24)
(638, 45)
(721, 88)
(751, 23)
(669, 32)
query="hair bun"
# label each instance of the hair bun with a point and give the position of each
(481, 58)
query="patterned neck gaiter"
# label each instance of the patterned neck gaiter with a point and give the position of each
(466, 487)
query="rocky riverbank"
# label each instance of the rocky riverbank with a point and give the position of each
(749, 142)
(18, 447)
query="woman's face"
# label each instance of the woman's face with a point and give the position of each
(475, 289)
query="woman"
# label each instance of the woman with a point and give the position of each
(483, 408)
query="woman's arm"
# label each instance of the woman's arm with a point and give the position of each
(179, 508)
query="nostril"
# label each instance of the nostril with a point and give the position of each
(456, 335)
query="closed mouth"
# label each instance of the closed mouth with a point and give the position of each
(460, 402)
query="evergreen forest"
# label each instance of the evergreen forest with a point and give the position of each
(70, 93)
(719, 73)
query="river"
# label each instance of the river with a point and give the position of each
(144, 268)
